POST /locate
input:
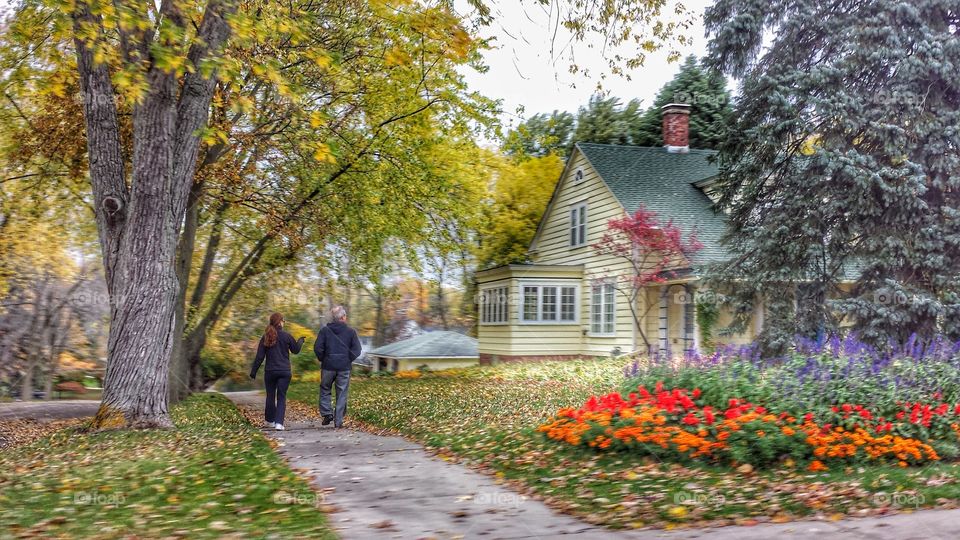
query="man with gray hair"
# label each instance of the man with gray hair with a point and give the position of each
(337, 346)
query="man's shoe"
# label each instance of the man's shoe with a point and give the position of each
(327, 420)
(269, 424)
(279, 427)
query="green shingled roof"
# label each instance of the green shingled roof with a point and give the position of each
(664, 183)
(430, 345)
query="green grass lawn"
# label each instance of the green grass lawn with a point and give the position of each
(213, 476)
(89, 394)
(487, 417)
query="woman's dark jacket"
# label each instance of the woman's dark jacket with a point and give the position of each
(277, 356)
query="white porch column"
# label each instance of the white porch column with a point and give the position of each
(696, 327)
(664, 334)
(689, 319)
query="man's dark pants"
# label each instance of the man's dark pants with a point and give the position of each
(277, 383)
(329, 378)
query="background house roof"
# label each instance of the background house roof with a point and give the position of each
(664, 183)
(441, 344)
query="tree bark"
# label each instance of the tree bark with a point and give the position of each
(379, 323)
(146, 287)
(26, 383)
(33, 329)
(185, 357)
(139, 226)
(179, 369)
(57, 340)
(441, 270)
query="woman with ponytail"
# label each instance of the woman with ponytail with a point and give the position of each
(275, 346)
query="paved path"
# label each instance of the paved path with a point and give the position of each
(48, 410)
(388, 487)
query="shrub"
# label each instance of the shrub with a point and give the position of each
(70, 386)
(75, 376)
(831, 370)
(309, 376)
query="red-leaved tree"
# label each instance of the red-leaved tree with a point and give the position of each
(654, 250)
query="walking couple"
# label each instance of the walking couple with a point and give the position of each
(337, 346)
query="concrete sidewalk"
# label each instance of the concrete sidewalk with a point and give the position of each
(388, 487)
(48, 410)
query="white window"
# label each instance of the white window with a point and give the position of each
(494, 305)
(578, 225)
(547, 303)
(578, 176)
(602, 314)
(568, 303)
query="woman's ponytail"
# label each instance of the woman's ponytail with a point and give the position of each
(270, 334)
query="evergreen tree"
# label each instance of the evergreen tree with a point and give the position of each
(844, 160)
(604, 121)
(540, 135)
(705, 90)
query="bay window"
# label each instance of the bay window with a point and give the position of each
(494, 305)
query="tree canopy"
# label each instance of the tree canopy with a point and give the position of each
(214, 140)
(520, 193)
(843, 163)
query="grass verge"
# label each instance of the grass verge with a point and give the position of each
(215, 475)
(487, 417)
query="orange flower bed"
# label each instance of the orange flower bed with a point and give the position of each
(670, 423)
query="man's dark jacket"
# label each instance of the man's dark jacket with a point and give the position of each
(337, 346)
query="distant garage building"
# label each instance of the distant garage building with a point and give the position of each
(433, 350)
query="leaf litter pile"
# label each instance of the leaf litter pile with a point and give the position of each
(486, 417)
(24, 430)
(213, 476)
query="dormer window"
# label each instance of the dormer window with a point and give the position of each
(578, 176)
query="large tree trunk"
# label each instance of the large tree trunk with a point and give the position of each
(139, 225)
(146, 286)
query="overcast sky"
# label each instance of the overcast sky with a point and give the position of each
(523, 73)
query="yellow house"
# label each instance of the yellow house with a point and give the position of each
(565, 303)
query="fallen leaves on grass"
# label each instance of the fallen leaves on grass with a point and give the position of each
(485, 418)
(213, 476)
(22, 431)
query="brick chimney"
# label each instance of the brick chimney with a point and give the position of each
(676, 127)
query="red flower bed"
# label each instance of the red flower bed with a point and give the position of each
(671, 423)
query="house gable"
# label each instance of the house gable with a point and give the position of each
(579, 184)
